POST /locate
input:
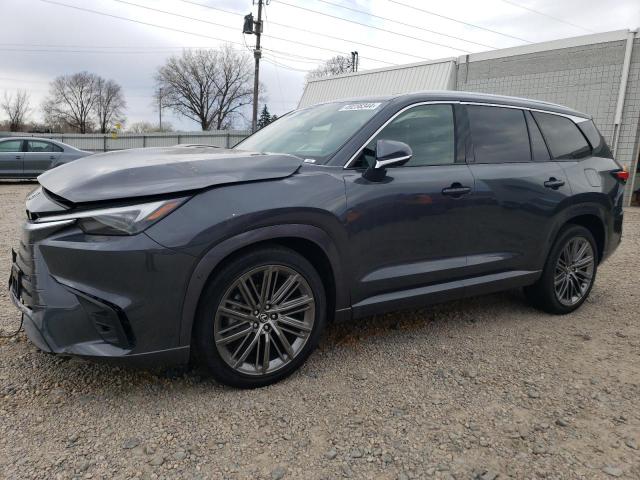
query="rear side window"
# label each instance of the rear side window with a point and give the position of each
(41, 146)
(563, 137)
(11, 146)
(600, 148)
(499, 135)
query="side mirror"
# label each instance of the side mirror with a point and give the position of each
(389, 153)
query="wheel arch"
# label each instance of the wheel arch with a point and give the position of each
(595, 225)
(590, 216)
(311, 242)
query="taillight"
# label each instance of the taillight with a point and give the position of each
(621, 175)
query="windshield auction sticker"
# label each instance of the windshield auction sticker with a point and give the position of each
(359, 106)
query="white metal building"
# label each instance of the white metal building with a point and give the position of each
(598, 74)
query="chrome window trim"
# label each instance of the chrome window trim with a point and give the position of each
(573, 118)
(435, 102)
(383, 163)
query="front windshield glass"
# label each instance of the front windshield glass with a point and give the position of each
(316, 132)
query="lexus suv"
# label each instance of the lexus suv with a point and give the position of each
(237, 258)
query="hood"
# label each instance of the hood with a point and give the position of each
(155, 171)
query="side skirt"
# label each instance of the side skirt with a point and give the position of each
(443, 292)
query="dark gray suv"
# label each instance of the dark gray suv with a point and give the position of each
(238, 258)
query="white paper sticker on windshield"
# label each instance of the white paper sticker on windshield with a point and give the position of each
(359, 106)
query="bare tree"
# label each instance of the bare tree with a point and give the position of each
(72, 100)
(210, 87)
(109, 105)
(334, 66)
(16, 107)
(148, 127)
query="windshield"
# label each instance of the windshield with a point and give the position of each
(316, 132)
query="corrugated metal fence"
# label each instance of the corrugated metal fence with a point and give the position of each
(97, 142)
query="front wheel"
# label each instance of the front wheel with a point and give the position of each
(569, 272)
(260, 317)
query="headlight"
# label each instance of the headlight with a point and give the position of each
(127, 220)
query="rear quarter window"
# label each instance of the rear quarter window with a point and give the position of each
(564, 139)
(600, 147)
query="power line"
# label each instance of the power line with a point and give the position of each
(192, 33)
(266, 18)
(345, 20)
(277, 64)
(154, 49)
(291, 59)
(405, 24)
(47, 82)
(460, 21)
(372, 26)
(74, 7)
(547, 15)
(123, 47)
(108, 52)
(271, 36)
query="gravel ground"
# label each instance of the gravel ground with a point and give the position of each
(477, 389)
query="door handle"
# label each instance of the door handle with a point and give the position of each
(456, 190)
(18, 157)
(554, 183)
(52, 157)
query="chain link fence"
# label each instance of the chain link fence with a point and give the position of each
(97, 142)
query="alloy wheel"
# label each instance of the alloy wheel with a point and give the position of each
(264, 319)
(574, 271)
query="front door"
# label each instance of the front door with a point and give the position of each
(409, 230)
(40, 156)
(11, 158)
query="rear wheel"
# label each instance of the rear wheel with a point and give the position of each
(568, 274)
(260, 317)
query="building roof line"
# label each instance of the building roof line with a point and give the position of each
(582, 40)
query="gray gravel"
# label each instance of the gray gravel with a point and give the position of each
(484, 388)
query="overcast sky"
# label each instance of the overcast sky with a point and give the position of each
(41, 39)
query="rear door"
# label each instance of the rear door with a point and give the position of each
(11, 158)
(518, 190)
(41, 155)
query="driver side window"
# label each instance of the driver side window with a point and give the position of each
(427, 129)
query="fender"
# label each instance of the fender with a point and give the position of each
(563, 217)
(219, 252)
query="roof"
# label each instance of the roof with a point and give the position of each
(461, 96)
(434, 75)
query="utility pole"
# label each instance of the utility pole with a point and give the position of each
(250, 27)
(256, 76)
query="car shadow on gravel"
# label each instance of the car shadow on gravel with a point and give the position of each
(451, 316)
(433, 322)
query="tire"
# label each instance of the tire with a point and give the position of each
(230, 307)
(548, 293)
